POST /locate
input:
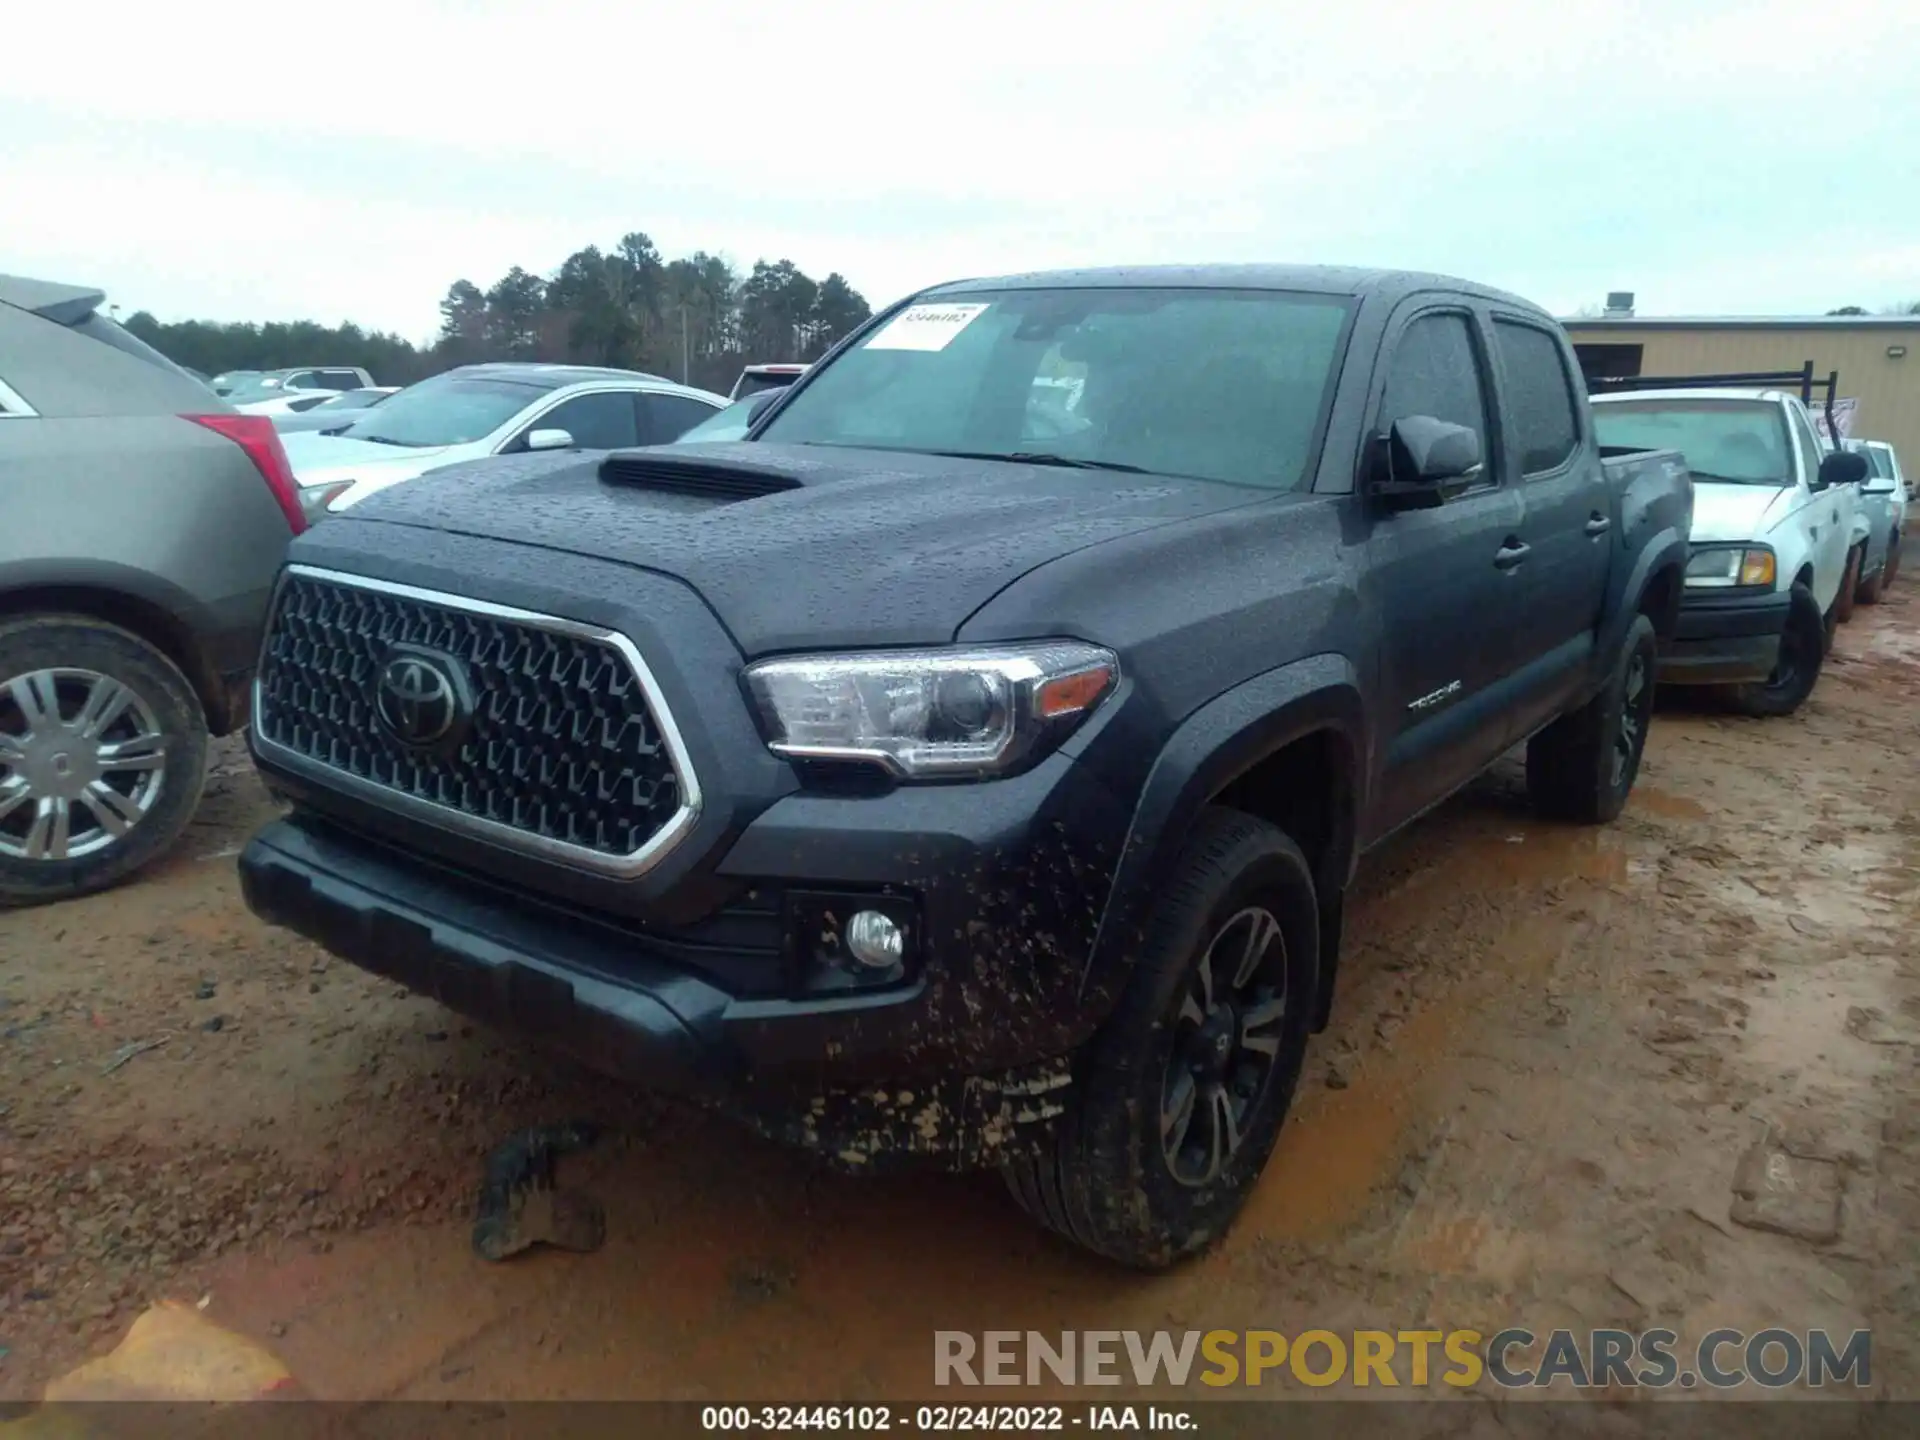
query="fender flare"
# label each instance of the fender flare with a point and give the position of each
(1669, 547)
(1212, 747)
(162, 612)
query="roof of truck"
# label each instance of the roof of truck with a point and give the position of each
(1314, 279)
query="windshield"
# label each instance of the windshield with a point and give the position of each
(728, 424)
(1880, 457)
(1199, 383)
(446, 410)
(1734, 442)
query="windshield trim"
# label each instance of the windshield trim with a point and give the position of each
(1339, 479)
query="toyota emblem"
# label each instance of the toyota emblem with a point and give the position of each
(422, 698)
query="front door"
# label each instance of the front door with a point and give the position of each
(1828, 514)
(1441, 585)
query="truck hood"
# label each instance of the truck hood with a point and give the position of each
(1737, 512)
(319, 459)
(855, 547)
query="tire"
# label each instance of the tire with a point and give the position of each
(1803, 649)
(1123, 1175)
(1850, 582)
(151, 719)
(1582, 767)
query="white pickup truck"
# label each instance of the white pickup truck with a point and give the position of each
(1775, 559)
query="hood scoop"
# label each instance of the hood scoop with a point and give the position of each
(722, 481)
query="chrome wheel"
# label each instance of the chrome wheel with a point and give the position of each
(82, 760)
(1636, 701)
(1225, 1045)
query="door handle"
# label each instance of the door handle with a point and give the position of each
(1511, 553)
(1598, 524)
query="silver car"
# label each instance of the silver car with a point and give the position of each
(479, 410)
(144, 523)
(1883, 506)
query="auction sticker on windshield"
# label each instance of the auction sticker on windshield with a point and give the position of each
(924, 327)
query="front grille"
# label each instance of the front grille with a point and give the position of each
(562, 748)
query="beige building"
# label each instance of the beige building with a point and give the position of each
(1877, 357)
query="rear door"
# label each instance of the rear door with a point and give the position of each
(1567, 528)
(1446, 608)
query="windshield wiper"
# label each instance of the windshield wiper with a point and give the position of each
(385, 440)
(1042, 457)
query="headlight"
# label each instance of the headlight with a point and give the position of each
(1731, 566)
(932, 714)
(314, 499)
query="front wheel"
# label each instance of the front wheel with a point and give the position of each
(1582, 767)
(103, 751)
(1803, 650)
(1849, 583)
(1177, 1103)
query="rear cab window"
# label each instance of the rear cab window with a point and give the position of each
(1539, 391)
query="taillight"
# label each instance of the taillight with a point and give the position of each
(255, 435)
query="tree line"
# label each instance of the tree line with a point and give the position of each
(696, 318)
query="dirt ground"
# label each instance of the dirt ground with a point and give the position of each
(1551, 1053)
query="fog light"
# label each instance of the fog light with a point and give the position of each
(875, 941)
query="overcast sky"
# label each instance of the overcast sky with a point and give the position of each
(263, 161)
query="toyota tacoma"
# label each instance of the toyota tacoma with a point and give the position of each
(941, 772)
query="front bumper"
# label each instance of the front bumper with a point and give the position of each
(1723, 640)
(955, 1060)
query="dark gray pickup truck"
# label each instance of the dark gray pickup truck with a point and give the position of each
(972, 763)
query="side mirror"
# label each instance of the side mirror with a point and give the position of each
(1843, 467)
(550, 440)
(1421, 455)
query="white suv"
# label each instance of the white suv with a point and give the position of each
(1774, 555)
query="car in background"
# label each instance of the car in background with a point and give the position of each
(476, 411)
(145, 523)
(756, 378)
(1774, 562)
(246, 386)
(332, 412)
(1883, 509)
(283, 402)
(228, 381)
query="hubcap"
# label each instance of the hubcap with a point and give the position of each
(1636, 698)
(82, 760)
(1226, 1042)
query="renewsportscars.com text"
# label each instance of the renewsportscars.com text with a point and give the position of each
(1513, 1358)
